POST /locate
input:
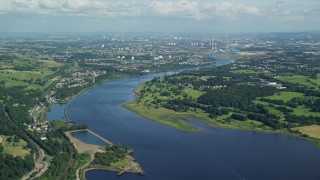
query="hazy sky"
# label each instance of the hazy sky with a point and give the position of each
(216, 16)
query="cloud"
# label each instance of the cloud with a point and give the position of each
(282, 11)
(49, 4)
(101, 8)
(192, 9)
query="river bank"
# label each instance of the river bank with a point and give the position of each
(179, 121)
(147, 105)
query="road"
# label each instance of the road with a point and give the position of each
(41, 166)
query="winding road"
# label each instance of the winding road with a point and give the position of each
(41, 166)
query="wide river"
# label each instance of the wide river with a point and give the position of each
(168, 154)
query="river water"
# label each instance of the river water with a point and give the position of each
(168, 154)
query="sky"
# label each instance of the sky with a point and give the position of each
(210, 16)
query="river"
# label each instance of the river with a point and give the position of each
(168, 154)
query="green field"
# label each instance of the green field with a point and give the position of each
(22, 70)
(245, 71)
(316, 81)
(302, 80)
(303, 111)
(178, 121)
(24, 75)
(285, 96)
(165, 116)
(48, 64)
(271, 110)
(251, 125)
(18, 148)
(193, 93)
(226, 56)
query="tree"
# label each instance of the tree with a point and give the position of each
(1, 148)
(16, 139)
(9, 139)
(239, 117)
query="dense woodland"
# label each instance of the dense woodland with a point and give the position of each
(13, 167)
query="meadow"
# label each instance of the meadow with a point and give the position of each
(14, 147)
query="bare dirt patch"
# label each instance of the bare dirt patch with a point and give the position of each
(254, 53)
(312, 131)
(83, 147)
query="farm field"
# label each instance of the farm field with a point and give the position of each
(22, 70)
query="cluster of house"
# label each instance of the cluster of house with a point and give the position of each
(79, 79)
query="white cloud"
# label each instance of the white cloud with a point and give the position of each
(192, 9)
(180, 8)
(230, 10)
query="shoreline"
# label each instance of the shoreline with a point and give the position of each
(92, 149)
(69, 98)
(213, 123)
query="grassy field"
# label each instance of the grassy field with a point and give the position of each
(47, 63)
(250, 125)
(312, 131)
(244, 71)
(125, 162)
(24, 75)
(285, 96)
(37, 70)
(226, 56)
(298, 79)
(165, 116)
(316, 81)
(303, 111)
(178, 121)
(272, 110)
(193, 93)
(15, 148)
